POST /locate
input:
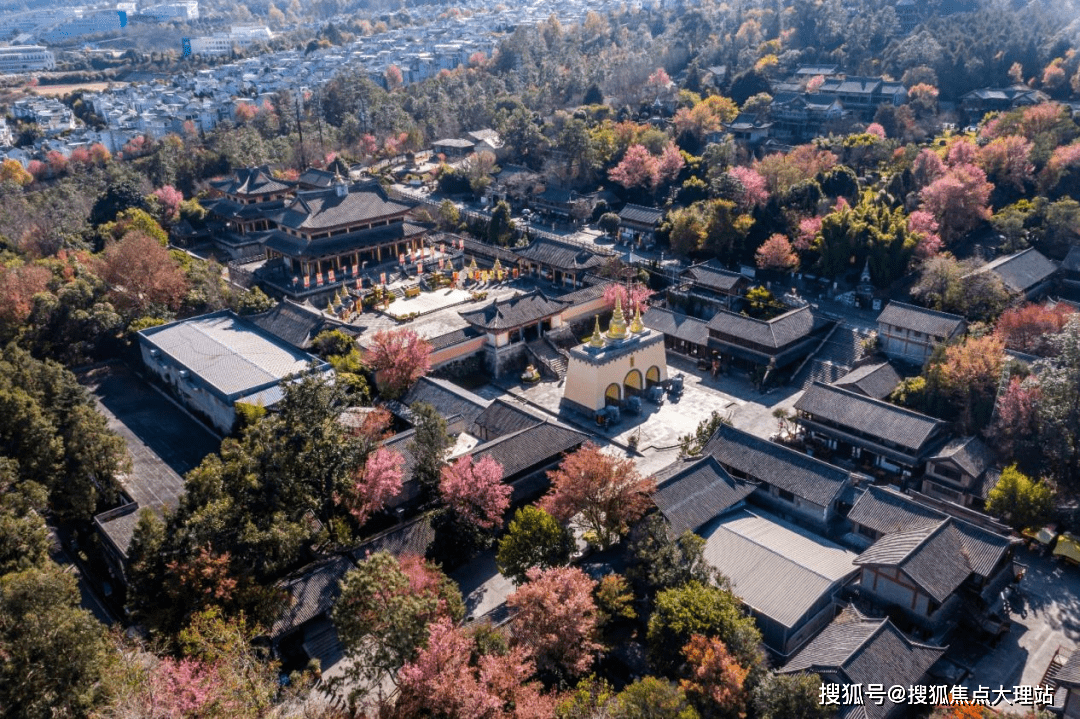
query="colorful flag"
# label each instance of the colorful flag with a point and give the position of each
(401, 258)
(330, 274)
(356, 269)
(359, 283)
(419, 268)
(307, 281)
(318, 278)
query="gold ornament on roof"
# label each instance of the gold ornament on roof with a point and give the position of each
(617, 327)
(637, 326)
(597, 340)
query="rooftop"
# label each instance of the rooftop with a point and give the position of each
(562, 255)
(324, 209)
(1022, 271)
(678, 325)
(920, 319)
(776, 568)
(776, 333)
(232, 355)
(515, 312)
(873, 380)
(689, 494)
(903, 427)
(714, 277)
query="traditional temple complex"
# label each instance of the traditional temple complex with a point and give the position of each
(612, 367)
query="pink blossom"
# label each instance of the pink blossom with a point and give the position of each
(475, 492)
(875, 129)
(379, 482)
(927, 167)
(755, 192)
(557, 618)
(923, 224)
(808, 229)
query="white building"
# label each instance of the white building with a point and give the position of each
(182, 10)
(240, 37)
(25, 58)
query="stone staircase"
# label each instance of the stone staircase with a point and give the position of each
(835, 358)
(547, 357)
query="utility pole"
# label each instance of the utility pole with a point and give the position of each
(300, 129)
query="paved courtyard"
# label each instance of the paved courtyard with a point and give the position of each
(427, 302)
(1048, 619)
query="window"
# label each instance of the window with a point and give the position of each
(785, 495)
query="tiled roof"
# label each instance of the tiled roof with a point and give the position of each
(886, 511)
(515, 311)
(584, 294)
(644, 215)
(252, 181)
(227, 352)
(873, 380)
(969, 453)
(410, 539)
(446, 397)
(776, 333)
(454, 142)
(711, 276)
(562, 255)
(485, 249)
(325, 209)
(775, 464)
(315, 178)
(529, 447)
(293, 246)
(296, 324)
(1069, 674)
(675, 324)
(933, 557)
(1022, 271)
(311, 592)
(502, 417)
(854, 649)
(903, 427)
(775, 567)
(693, 493)
(1071, 263)
(450, 339)
(920, 319)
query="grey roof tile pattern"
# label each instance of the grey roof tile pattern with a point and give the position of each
(514, 312)
(643, 215)
(780, 466)
(311, 593)
(776, 568)
(1021, 271)
(920, 319)
(452, 338)
(1071, 263)
(329, 246)
(903, 427)
(296, 324)
(776, 333)
(447, 398)
(712, 276)
(585, 294)
(325, 209)
(529, 447)
(252, 181)
(969, 453)
(860, 650)
(501, 418)
(229, 353)
(873, 380)
(1069, 674)
(675, 324)
(474, 247)
(698, 492)
(562, 255)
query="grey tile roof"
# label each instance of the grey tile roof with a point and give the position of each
(780, 466)
(675, 324)
(447, 398)
(776, 568)
(252, 181)
(474, 247)
(502, 417)
(514, 312)
(931, 556)
(452, 338)
(969, 453)
(311, 593)
(324, 209)
(1021, 271)
(562, 255)
(228, 353)
(714, 277)
(454, 142)
(693, 493)
(1069, 674)
(300, 247)
(1071, 263)
(640, 214)
(314, 178)
(527, 448)
(296, 324)
(920, 319)
(873, 380)
(855, 649)
(410, 539)
(886, 511)
(910, 430)
(776, 333)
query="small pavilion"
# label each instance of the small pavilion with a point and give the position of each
(617, 365)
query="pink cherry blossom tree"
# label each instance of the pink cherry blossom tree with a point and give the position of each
(808, 229)
(557, 619)
(475, 492)
(636, 296)
(958, 200)
(925, 227)
(755, 188)
(169, 199)
(776, 253)
(399, 357)
(669, 164)
(928, 166)
(378, 483)
(1007, 160)
(638, 168)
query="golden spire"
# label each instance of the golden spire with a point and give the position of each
(637, 326)
(597, 340)
(617, 328)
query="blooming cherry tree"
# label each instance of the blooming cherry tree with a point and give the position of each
(475, 492)
(399, 357)
(378, 483)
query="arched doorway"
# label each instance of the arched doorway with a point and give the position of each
(632, 382)
(613, 395)
(652, 376)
